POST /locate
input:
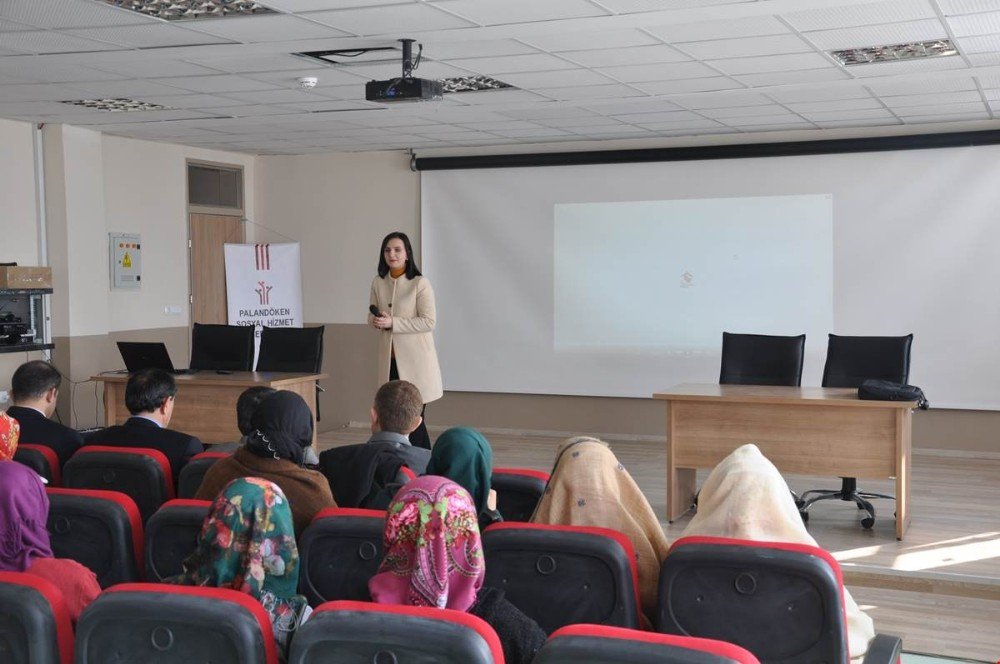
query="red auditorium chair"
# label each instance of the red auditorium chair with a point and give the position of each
(101, 530)
(579, 644)
(164, 624)
(139, 472)
(518, 491)
(339, 552)
(43, 460)
(34, 621)
(563, 575)
(172, 535)
(349, 632)
(193, 472)
(782, 602)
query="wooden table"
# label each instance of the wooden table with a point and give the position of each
(205, 405)
(803, 430)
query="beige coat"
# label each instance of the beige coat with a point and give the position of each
(411, 304)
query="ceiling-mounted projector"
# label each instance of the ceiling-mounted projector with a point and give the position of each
(407, 87)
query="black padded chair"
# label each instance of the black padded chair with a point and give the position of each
(222, 347)
(782, 602)
(563, 575)
(101, 530)
(41, 459)
(141, 473)
(339, 552)
(193, 472)
(761, 359)
(851, 361)
(351, 632)
(164, 624)
(34, 621)
(172, 535)
(586, 644)
(295, 349)
(518, 491)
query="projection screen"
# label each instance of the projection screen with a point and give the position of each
(618, 280)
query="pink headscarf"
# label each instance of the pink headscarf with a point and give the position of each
(433, 553)
(24, 509)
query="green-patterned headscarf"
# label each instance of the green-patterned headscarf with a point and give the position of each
(464, 456)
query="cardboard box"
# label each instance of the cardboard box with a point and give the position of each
(25, 277)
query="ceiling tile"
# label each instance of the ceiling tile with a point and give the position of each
(659, 72)
(636, 55)
(631, 106)
(746, 47)
(818, 94)
(47, 69)
(929, 119)
(753, 26)
(976, 24)
(831, 105)
(591, 92)
(860, 114)
(950, 7)
(69, 14)
(585, 41)
(513, 63)
(48, 41)
(147, 36)
(902, 101)
(675, 126)
(216, 84)
(378, 20)
(496, 12)
(837, 124)
(744, 111)
(690, 85)
(556, 79)
(793, 77)
(265, 28)
(908, 66)
(723, 100)
(981, 44)
(776, 118)
(984, 59)
(152, 68)
(192, 101)
(772, 63)
(496, 97)
(877, 35)
(649, 118)
(921, 86)
(635, 6)
(475, 49)
(274, 96)
(329, 77)
(850, 16)
(940, 109)
(10, 26)
(252, 62)
(569, 123)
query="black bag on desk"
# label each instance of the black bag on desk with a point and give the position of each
(883, 390)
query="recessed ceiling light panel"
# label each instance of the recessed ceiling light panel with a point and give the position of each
(473, 84)
(934, 48)
(179, 10)
(120, 105)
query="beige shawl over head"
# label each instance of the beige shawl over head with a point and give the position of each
(745, 497)
(589, 487)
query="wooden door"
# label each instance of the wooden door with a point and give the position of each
(208, 232)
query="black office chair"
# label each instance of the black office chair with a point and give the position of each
(222, 347)
(295, 349)
(851, 361)
(761, 359)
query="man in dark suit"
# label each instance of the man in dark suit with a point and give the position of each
(34, 389)
(149, 397)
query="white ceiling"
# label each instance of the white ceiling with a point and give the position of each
(587, 70)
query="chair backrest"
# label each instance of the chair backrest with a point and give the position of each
(348, 632)
(298, 349)
(340, 551)
(518, 491)
(164, 624)
(191, 475)
(782, 602)
(172, 535)
(579, 644)
(761, 359)
(41, 459)
(34, 620)
(851, 361)
(563, 575)
(141, 473)
(222, 347)
(101, 530)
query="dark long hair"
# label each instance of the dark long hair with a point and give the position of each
(411, 264)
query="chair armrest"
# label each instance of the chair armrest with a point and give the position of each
(883, 649)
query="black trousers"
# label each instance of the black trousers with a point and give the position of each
(419, 436)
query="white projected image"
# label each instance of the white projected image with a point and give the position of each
(671, 276)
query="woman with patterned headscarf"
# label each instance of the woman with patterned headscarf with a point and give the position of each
(247, 543)
(589, 487)
(24, 538)
(434, 557)
(9, 433)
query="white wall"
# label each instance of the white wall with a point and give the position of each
(339, 207)
(17, 191)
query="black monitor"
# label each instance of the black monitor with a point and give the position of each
(222, 347)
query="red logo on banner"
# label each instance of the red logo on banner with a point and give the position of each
(263, 292)
(263, 256)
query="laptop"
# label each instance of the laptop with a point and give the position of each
(139, 355)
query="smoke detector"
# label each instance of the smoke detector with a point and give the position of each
(308, 82)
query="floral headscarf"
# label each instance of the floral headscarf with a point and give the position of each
(10, 430)
(434, 556)
(24, 508)
(247, 543)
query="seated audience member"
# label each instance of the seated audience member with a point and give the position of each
(245, 406)
(10, 429)
(149, 397)
(588, 487)
(745, 497)
(396, 413)
(24, 510)
(282, 428)
(247, 543)
(465, 457)
(434, 557)
(34, 389)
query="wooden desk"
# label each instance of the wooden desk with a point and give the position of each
(205, 405)
(804, 430)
